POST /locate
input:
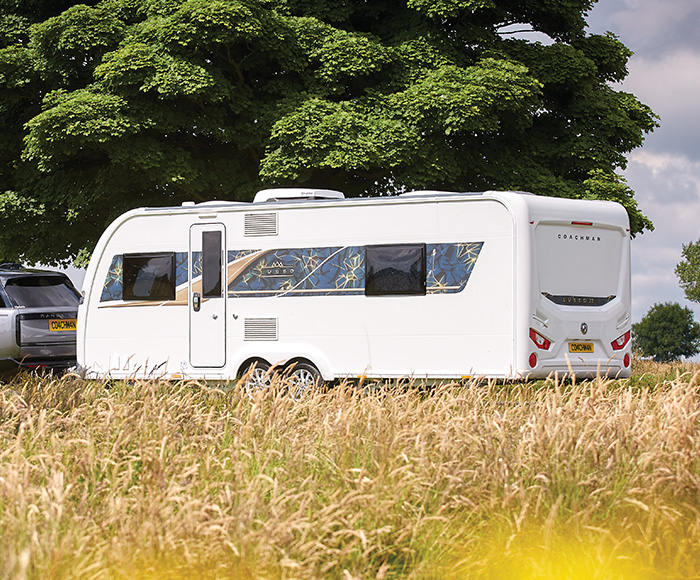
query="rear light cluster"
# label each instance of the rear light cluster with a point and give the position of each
(621, 341)
(540, 341)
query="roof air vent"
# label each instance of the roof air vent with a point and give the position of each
(285, 193)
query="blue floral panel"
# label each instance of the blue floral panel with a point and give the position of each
(180, 268)
(450, 265)
(303, 272)
(112, 287)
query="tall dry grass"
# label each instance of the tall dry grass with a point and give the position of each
(599, 479)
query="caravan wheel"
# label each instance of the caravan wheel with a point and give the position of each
(303, 378)
(256, 377)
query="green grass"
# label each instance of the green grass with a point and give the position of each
(547, 480)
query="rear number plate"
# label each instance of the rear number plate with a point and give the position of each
(63, 325)
(579, 347)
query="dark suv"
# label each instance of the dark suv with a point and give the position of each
(38, 314)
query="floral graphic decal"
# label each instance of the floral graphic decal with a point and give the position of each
(314, 271)
(341, 270)
(112, 288)
(303, 272)
(450, 265)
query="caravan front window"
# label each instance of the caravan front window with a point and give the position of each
(395, 269)
(149, 276)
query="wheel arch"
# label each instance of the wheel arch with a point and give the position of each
(280, 360)
(313, 357)
(250, 361)
(289, 364)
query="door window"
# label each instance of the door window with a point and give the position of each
(211, 264)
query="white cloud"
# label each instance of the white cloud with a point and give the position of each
(671, 77)
(670, 85)
(667, 189)
(649, 26)
(665, 179)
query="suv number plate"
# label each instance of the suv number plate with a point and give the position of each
(63, 324)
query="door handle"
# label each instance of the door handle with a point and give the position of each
(196, 301)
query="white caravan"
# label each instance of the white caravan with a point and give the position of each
(424, 285)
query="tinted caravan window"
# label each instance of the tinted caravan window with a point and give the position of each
(395, 269)
(149, 276)
(211, 264)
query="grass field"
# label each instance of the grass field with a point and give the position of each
(549, 480)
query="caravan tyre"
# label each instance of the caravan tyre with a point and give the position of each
(256, 377)
(303, 378)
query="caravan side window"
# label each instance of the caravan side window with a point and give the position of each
(149, 276)
(395, 269)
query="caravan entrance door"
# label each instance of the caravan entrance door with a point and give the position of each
(207, 296)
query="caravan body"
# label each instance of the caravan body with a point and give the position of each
(423, 285)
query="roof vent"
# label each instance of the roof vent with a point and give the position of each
(285, 193)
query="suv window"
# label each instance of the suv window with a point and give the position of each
(40, 291)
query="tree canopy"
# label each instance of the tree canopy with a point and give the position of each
(667, 333)
(688, 271)
(108, 105)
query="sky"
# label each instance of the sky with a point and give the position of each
(664, 73)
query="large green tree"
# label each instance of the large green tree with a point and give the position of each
(667, 333)
(112, 104)
(688, 271)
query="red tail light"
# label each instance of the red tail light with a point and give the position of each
(621, 341)
(540, 341)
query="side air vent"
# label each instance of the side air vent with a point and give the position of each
(260, 224)
(260, 329)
